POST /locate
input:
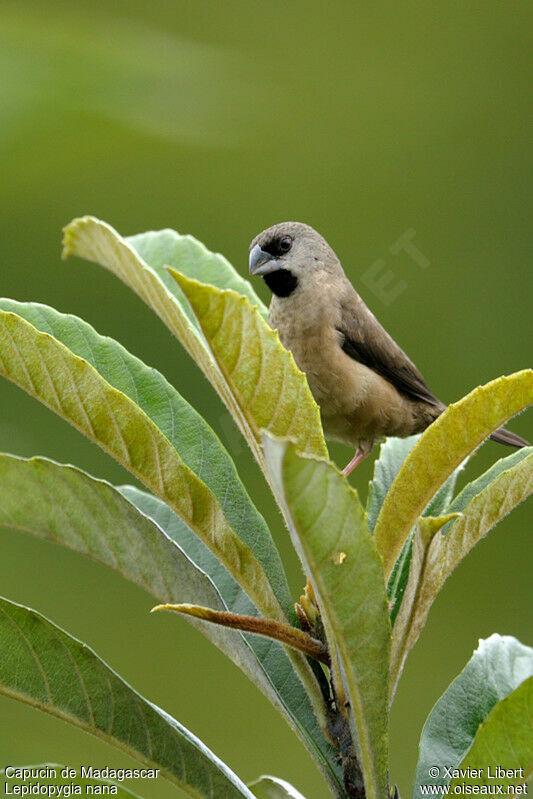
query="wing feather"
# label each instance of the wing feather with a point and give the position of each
(367, 342)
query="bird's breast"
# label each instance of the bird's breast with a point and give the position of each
(356, 403)
(315, 343)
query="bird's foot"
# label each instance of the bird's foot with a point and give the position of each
(357, 458)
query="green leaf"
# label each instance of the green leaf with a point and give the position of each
(441, 502)
(270, 390)
(398, 579)
(192, 258)
(54, 774)
(96, 241)
(46, 668)
(164, 517)
(67, 506)
(416, 549)
(392, 454)
(436, 557)
(273, 788)
(441, 449)
(329, 531)
(252, 408)
(140, 258)
(289, 694)
(139, 536)
(470, 491)
(122, 375)
(496, 669)
(138, 418)
(504, 741)
(391, 457)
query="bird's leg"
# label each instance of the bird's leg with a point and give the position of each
(357, 458)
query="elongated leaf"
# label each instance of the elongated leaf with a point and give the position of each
(289, 694)
(139, 536)
(504, 742)
(438, 556)
(497, 667)
(232, 594)
(474, 488)
(65, 381)
(440, 450)
(273, 788)
(426, 530)
(96, 241)
(67, 506)
(328, 529)
(271, 391)
(50, 774)
(398, 579)
(198, 446)
(70, 385)
(392, 454)
(43, 666)
(192, 258)
(440, 504)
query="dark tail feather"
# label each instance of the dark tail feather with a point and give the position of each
(503, 436)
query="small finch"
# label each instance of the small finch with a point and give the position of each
(364, 383)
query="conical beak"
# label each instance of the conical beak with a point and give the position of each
(261, 262)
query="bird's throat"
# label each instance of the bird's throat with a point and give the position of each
(281, 282)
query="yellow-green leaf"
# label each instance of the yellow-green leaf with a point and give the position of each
(199, 450)
(435, 557)
(140, 262)
(424, 533)
(270, 390)
(283, 403)
(285, 688)
(441, 448)
(328, 529)
(72, 388)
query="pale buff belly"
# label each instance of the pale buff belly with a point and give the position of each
(357, 405)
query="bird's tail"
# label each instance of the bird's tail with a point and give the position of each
(503, 436)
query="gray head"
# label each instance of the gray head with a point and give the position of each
(289, 253)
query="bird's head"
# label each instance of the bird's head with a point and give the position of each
(288, 254)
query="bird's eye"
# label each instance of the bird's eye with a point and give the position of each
(285, 244)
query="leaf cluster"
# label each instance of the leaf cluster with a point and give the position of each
(194, 539)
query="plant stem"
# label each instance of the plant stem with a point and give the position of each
(269, 628)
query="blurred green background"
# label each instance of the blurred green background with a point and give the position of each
(219, 119)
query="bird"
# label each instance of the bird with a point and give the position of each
(365, 385)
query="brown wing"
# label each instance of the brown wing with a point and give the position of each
(365, 340)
